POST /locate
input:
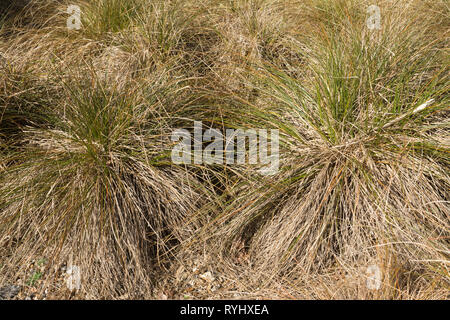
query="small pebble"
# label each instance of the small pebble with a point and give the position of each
(207, 276)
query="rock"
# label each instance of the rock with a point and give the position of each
(9, 291)
(207, 276)
(162, 296)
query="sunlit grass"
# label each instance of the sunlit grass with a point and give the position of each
(86, 118)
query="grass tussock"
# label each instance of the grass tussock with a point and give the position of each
(95, 176)
(86, 118)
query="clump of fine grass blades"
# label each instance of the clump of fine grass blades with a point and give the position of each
(109, 16)
(85, 155)
(364, 172)
(94, 184)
